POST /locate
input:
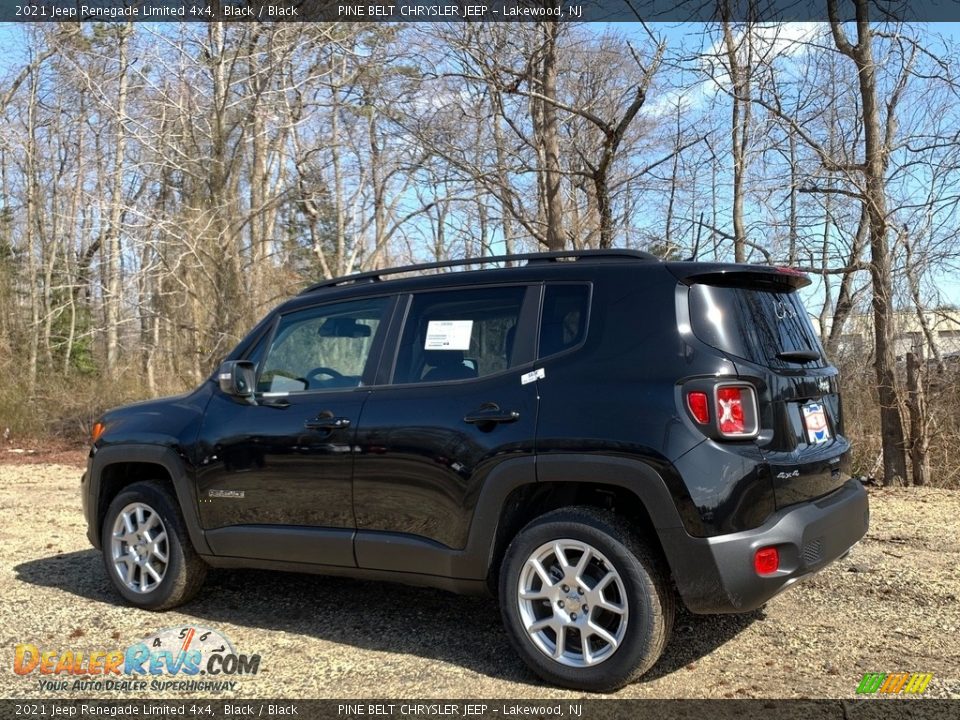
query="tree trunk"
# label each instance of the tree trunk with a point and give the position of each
(550, 139)
(874, 170)
(499, 142)
(913, 282)
(918, 421)
(113, 291)
(32, 210)
(794, 173)
(739, 132)
(602, 190)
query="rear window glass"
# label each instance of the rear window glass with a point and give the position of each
(564, 321)
(756, 325)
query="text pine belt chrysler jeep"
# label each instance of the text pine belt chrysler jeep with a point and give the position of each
(587, 435)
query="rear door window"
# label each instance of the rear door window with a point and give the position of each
(460, 335)
(762, 326)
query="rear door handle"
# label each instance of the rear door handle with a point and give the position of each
(327, 421)
(490, 414)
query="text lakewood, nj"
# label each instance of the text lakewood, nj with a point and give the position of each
(462, 11)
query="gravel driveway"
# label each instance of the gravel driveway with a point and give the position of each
(891, 606)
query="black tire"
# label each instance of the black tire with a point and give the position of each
(185, 571)
(649, 598)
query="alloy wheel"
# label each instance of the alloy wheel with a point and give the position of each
(140, 548)
(573, 603)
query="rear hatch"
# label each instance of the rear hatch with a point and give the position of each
(756, 317)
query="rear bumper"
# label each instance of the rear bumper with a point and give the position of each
(716, 575)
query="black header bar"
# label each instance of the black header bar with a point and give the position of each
(465, 10)
(429, 709)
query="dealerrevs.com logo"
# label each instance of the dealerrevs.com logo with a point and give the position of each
(188, 659)
(894, 683)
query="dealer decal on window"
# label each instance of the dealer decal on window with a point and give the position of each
(448, 335)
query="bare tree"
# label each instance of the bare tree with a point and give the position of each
(879, 135)
(543, 77)
(113, 299)
(740, 67)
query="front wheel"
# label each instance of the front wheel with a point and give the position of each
(586, 604)
(146, 549)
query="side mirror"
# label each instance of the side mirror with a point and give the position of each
(237, 378)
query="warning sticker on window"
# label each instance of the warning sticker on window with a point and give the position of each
(448, 335)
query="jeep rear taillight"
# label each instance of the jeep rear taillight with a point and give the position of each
(736, 410)
(727, 410)
(730, 410)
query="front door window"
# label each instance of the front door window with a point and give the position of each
(323, 348)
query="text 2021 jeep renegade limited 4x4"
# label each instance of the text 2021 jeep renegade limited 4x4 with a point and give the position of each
(587, 435)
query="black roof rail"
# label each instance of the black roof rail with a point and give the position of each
(530, 258)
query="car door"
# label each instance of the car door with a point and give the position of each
(457, 405)
(274, 480)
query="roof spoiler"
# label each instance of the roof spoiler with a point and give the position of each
(760, 277)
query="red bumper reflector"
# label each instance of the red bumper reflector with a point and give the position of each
(766, 561)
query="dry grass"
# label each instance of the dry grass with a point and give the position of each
(862, 420)
(64, 407)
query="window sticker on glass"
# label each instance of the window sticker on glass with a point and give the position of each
(448, 335)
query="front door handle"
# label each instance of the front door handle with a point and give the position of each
(491, 414)
(327, 421)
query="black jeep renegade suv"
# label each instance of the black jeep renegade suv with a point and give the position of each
(589, 436)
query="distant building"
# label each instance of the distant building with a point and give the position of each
(944, 324)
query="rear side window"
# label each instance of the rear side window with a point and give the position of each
(757, 325)
(459, 334)
(564, 321)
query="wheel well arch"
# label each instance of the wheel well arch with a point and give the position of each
(114, 467)
(528, 502)
(118, 475)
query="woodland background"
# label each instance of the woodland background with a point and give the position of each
(163, 186)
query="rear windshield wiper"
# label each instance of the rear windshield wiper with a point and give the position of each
(799, 355)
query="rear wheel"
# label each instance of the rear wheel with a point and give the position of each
(146, 549)
(585, 602)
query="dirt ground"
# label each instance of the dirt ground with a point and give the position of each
(891, 606)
